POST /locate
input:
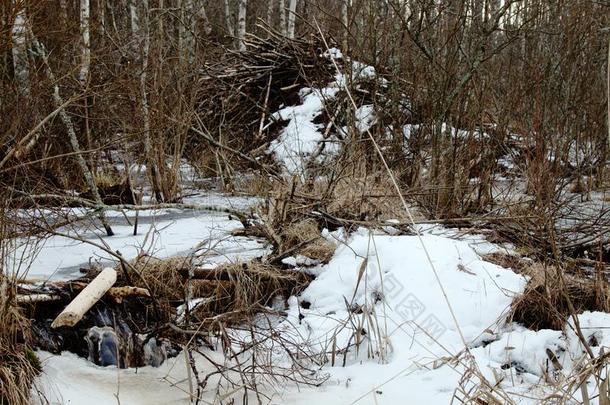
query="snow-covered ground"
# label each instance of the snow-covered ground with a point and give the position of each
(401, 329)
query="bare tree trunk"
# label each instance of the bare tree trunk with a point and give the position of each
(133, 19)
(241, 24)
(282, 5)
(270, 13)
(228, 18)
(85, 46)
(101, 10)
(63, 11)
(345, 22)
(144, 35)
(491, 10)
(292, 8)
(477, 14)
(21, 65)
(202, 15)
(186, 29)
(608, 91)
(65, 118)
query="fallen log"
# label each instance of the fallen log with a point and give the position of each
(86, 299)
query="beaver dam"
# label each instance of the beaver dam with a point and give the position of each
(355, 202)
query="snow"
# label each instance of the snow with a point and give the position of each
(365, 118)
(381, 323)
(407, 322)
(161, 233)
(68, 379)
(410, 347)
(302, 139)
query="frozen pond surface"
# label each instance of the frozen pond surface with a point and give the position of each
(161, 233)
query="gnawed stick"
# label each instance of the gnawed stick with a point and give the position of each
(118, 294)
(34, 298)
(86, 299)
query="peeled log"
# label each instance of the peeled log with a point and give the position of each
(86, 299)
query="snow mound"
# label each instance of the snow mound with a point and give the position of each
(383, 289)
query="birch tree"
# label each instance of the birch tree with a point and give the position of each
(202, 15)
(608, 90)
(20, 48)
(101, 10)
(67, 121)
(269, 13)
(345, 22)
(228, 18)
(282, 6)
(143, 36)
(186, 27)
(63, 11)
(85, 46)
(241, 24)
(134, 23)
(291, 17)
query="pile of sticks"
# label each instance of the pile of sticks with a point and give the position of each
(240, 91)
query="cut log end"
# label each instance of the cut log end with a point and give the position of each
(86, 299)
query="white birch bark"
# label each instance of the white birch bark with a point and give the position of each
(202, 15)
(32, 298)
(134, 21)
(101, 9)
(269, 13)
(228, 19)
(19, 41)
(85, 45)
(186, 32)
(150, 160)
(292, 8)
(241, 24)
(282, 5)
(345, 22)
(180, 22)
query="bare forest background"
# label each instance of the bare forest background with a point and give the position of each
(82, 79)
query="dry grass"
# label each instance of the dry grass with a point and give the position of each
(163, 278)
(369, 197)
(250, 287)
(508, 261)
(18, 363)
(232, 291)
(320, 250)
(550, 297)
(304, 238)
